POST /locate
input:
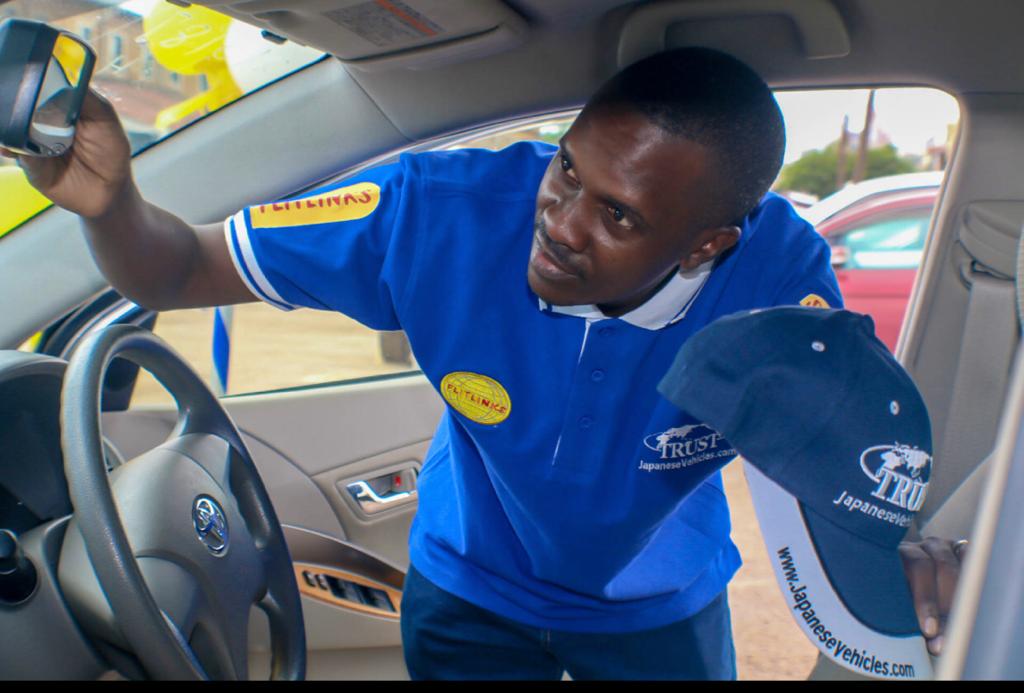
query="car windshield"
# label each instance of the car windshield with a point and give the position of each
(162, 66)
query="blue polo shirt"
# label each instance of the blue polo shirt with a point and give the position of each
(561, 490)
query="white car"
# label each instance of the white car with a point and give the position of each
(338, 445)
(854, 193)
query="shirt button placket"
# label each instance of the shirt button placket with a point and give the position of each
(597, 375)
(589, 378)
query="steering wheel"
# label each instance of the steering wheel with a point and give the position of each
(183, 540)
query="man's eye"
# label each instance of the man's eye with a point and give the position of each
(566, 167)
(618, 216)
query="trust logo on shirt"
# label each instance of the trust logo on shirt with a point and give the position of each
(476, 397)
(683, 446)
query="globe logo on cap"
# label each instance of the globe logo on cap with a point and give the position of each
(901, 473)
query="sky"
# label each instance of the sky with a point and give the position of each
(909, 116)
(140, 7)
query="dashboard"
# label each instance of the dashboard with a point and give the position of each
(33, 489)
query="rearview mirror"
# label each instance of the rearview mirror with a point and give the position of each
(44, 74)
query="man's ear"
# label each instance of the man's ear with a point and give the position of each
(710, 244)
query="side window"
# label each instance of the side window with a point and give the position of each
(885, 243)
(549, 130)
(255, 347)
(163, 64)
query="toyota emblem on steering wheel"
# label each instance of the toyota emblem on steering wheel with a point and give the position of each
(211, 524)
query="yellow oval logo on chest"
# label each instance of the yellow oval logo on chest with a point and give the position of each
(476, 397)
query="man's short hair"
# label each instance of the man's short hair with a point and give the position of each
(717, 101)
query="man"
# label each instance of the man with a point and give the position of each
(570, 518)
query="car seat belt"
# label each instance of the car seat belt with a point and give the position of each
(990, 234)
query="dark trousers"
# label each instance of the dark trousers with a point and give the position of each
(445, 637)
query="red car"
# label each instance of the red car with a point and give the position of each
(876, 230)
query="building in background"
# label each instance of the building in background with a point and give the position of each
(126, 70)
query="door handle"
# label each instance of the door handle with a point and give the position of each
(391, 490)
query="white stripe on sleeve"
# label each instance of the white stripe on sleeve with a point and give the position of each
(235, 230)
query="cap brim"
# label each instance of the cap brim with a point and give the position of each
(815, 601)
(867, 578)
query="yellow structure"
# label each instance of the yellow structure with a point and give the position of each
(190, 41)
(20, 200)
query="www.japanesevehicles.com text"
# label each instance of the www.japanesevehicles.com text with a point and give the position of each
(860, 659)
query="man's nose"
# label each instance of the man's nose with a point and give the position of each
(564, 225)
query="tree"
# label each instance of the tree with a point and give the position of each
(815, 171)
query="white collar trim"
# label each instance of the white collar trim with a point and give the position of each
(664, 308)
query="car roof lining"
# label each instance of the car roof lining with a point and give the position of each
(902, 42)
(417, 101)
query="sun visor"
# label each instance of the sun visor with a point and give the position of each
(386, 34)
(810, 29)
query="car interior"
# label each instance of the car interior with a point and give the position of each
(339, 460)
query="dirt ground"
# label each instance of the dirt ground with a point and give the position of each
(273, 349)
(769, 645)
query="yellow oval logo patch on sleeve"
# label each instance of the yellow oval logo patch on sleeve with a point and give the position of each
(344, 204)
(814, 301)
(476, 397)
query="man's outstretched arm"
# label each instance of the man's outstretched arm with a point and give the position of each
(149, 255)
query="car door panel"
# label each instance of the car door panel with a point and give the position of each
(387, 530)
(344, 641)
(296, 499)
(340, 434)
(308, 445)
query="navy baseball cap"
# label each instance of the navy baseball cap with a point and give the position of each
(837, 448)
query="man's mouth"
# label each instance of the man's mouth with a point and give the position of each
(546, 261)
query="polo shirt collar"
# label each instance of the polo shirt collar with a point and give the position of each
(664, 308)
